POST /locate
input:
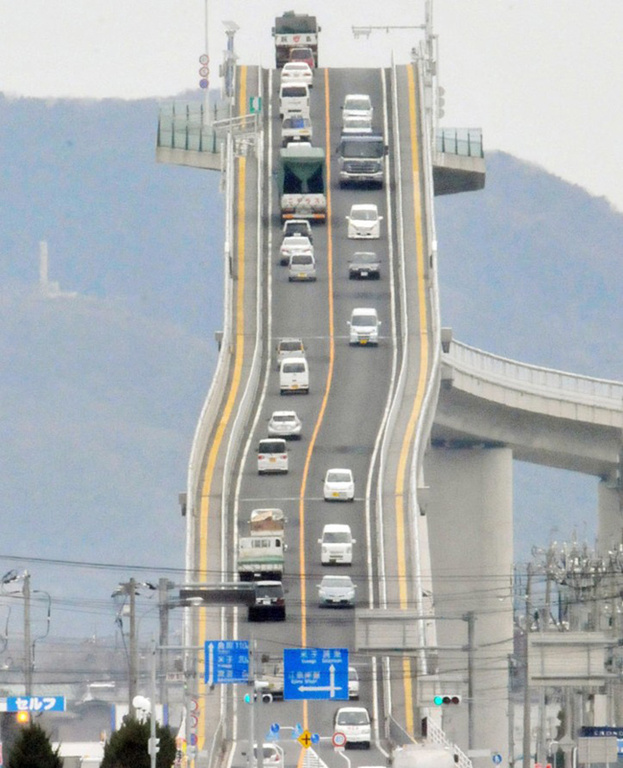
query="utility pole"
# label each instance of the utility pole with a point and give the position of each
(133, 681)
(27, 640)
(163, 609)
(527, 725)
(470, 618)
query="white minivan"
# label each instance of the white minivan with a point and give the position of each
(294, 375)
(364, 326)
(272, 455)
(293, 99)
(336, 544)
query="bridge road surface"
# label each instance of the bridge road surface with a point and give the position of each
(341, 416)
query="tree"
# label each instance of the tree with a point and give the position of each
(32, 749)
(127, 747)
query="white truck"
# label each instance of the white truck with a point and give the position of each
(267, 522)
(260, 557)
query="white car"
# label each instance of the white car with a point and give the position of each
(364, 222)
(336, 544)
(302, 267)
(297, 72)
(357, 105)
(354, 723)
(296, 128)
(336, 592)
(292, 244)
(302, 226)
(272, 455)
(272, 755)
(289, 347)
(339, 485)
(284, 424)
(364, 326)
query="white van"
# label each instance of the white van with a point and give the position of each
(336, 544)
(354, 723)
(272, 455)
(364, 326)
(293, 99)
(294, 375)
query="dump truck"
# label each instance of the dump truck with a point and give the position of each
(260, 557)
(361, 158)
(294, 30)
(301, 179)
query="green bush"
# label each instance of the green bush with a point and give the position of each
(128, 747)
(32, 749)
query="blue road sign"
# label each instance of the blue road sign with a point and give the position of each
(227, 661)
(315, 673)
(497, 758)
(35, 704)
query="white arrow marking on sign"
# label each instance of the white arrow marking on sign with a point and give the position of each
(210, 663)
(332, 688)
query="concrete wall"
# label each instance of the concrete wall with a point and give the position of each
(471, 534)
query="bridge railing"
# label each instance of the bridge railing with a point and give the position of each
(466, 142)
(546, 382)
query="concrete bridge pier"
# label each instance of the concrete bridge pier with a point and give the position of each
(470, 523)
(610, 517)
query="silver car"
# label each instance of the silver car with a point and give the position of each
(292, 244)
(284, 424)
(302, 267)
(336, 592)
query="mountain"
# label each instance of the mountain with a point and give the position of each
(101, 390)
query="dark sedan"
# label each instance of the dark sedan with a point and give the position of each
(364, 266)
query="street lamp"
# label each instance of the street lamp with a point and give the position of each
(29, 644)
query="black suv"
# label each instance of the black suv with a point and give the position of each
(269, 602)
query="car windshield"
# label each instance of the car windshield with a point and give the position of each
(294, 91)
(283, 417)
(363, 320)
(336, 537)
(337, 582)
(365, 258)
(371, 148)
(338, 477)
(290, 346)
(353, 718)
(360, 105)
(269, 590)
(352, 674)
(364, 214)
(296, 122)
(302, 259)
(300, 227)
(293, 367)
(272, 446)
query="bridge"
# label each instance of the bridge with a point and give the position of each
(429, 427)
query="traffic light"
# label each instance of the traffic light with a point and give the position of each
(22, 717)
(446, 698)
(264, 696)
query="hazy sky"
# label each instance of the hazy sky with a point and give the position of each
(543, 78)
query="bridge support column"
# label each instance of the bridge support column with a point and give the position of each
(610, 517)
(470, 523)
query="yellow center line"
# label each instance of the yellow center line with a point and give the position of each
(229, 405)
(325, 398)
(419, 395)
